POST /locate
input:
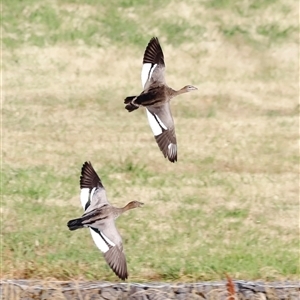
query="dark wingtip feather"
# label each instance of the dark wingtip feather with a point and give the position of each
(164, 140)
(172, 153)
(115, 258)
(89, 178)
(153, 53)
(172, 159)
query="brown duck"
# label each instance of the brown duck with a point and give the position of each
(100, 217)
(156, 98)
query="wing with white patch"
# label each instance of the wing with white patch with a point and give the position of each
(97, 198)
(85, 198)
(162, 125)
(93, 195)
(167, 144)
(153, 64)
(152, 73)
(90, 185)
(106, 235)
(115, 256)
(101, 241)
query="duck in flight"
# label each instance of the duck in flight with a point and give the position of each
(156, 98)
(100, 217)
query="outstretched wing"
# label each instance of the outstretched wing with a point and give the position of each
(115, 256)
(92, 190)
(93, 196)
(111, 246)
(153, 64)
(162, 125)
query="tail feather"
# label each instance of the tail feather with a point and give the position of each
(129, 99)
(130, 107)
(130, 103)
(75, 224)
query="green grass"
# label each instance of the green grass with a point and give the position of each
(230, 203)
(95, 22)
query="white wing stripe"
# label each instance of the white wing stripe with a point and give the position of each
(155, 123)
(156, 129)
(160, 122)
(147, 71)
(100, 243)
(84, 196)
(92, 193)
(151, 72)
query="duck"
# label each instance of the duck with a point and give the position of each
(99, 216)
(156, 98)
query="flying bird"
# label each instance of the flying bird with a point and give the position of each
(156, 98)
(100, 217)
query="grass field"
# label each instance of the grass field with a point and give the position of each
(230, 203)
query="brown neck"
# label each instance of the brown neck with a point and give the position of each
(181, 91)
(128, 206)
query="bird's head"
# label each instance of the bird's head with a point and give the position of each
(189, 88)
(134, 204)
